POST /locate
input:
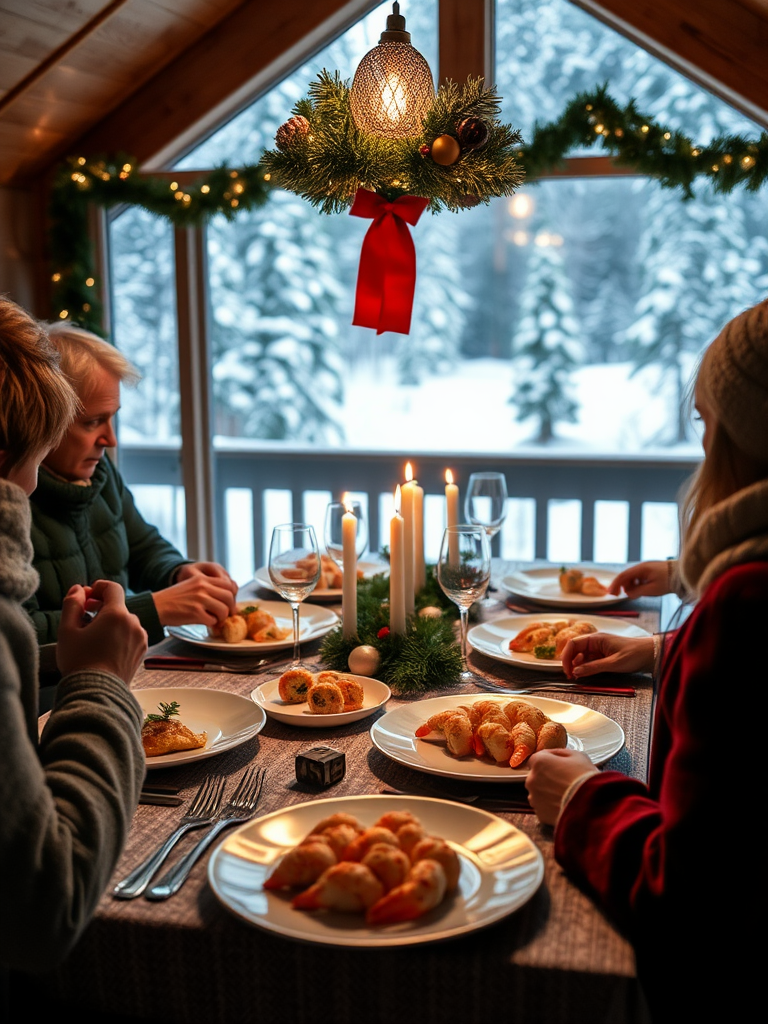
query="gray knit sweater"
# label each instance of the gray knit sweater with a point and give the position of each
(66, 802)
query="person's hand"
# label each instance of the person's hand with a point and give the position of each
(211, 569)
(113, 640)
(551, 773)
(646, 579)
(197, 598)
(605, 652)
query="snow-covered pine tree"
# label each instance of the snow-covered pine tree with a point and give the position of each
(145, 322)
(546, 346)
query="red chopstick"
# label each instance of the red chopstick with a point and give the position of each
(628, 614)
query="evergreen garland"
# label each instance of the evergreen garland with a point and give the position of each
(329, 158)
(344, 160)
(425, 657)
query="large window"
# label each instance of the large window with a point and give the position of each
(566, 320)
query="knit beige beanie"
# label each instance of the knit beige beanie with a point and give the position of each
(733, 379)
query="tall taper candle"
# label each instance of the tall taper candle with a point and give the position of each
(349, 571)
(420, 567)
(396, 570)
(452, 514)
(409, 543)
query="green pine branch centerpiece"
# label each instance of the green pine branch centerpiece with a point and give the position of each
(425, 657)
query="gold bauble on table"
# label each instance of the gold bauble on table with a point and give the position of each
(445, 150)
(364, 660)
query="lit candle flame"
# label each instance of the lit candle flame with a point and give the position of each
(448, 476)
(394, 99)
(346, 501)
(397, 500)
(408, 472)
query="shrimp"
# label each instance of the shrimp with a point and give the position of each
(339, 837)
(576, 629)
(433, 848)
(496, 740)
(422, 890)
(339, 818)
(361, 844)
(390, 864)
(523, 641)
(409, 835)
(592, 587)
(551, 736)
(393, 820)
(520, 711)
(455, 725)
(346, 886)
(525, 743)
(302, 865)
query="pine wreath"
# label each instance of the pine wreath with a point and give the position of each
(328, 161)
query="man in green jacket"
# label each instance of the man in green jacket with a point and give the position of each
(85, 524)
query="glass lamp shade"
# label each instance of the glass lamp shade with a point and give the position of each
(392, 89)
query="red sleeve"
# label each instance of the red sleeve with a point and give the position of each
(649, 854)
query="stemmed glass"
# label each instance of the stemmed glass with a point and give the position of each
(294, 568)
(333, 535)
(463, 572)
(486, 505)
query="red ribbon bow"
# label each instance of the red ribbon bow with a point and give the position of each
(386, 279)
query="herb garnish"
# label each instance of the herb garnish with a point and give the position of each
(167, 711)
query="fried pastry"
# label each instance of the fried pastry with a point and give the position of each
(167, 735)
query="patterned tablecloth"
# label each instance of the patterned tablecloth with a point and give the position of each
(188, 960)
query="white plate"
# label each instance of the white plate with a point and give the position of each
(501, 869)
(313, 623)
(394, 734)
(370, 569)
(492, 638)
(228, 718)
(542, 585)
(266, 696)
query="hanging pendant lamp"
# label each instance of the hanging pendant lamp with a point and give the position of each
(392, 90)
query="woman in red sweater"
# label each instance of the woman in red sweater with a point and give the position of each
(673, 862)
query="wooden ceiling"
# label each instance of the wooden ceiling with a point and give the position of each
(145, 76)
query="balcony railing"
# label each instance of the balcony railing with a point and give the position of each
(575, 508)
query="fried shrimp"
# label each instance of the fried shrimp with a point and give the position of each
(361, 844)
(432, 848)
(390, 864)
(302, 865)
(422, 890)
(347, 886)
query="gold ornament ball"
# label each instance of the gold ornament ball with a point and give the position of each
(445, 150)
(364, 660)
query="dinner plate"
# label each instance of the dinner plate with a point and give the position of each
(501, 869)
(313, 623)
(228, 718)
(394, 734)
(370, 569)
(492, 638)
(542, 586)
(266, 696)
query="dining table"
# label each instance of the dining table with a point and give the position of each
(189, 958)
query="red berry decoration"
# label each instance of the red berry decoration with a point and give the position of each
(383, 633)
(468, 201)
(424, 150)
(291, 132)
(472, 133)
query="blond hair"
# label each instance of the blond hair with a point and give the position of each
(81, 351)
(37, 403)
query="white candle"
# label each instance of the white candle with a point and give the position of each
(349, 571)
(409, 543)
(452, 513)
(420, 570)
(396, 570)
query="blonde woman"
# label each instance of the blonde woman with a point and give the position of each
(85, 524)
(669, 861)
(68, 797)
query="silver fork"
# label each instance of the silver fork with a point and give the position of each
(202, 811)
(241, 807)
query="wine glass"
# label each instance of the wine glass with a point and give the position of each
(294, 568)
(463, 572)
(333, 535)
(486, 505)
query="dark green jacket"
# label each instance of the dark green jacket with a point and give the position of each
(83, 534)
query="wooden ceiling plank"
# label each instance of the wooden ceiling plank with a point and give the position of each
(217, 74)
(721, 45)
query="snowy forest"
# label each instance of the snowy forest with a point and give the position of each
(573, 317)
